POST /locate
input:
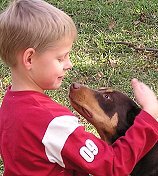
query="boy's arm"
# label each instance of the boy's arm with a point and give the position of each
(82, 151)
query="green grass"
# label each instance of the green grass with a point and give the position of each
(95, 62)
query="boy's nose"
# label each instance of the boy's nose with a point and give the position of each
(68, 65)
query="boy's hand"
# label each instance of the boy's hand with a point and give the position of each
(145, 97)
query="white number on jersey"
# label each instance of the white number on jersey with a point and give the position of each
(89, 150)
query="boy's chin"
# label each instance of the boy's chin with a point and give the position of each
(56, 87)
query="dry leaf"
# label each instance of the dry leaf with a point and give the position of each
(100, 75)
(142, 17)
(112, 25)
(112, 62)
(136, 22)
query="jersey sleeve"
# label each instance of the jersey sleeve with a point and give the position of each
(79, 150)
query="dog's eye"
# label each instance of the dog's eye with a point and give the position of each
(106, 96)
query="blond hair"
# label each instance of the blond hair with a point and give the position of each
(32, 24)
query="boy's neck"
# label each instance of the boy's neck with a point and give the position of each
(21, 82)
(23, 87)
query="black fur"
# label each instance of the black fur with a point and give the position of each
(127, 110)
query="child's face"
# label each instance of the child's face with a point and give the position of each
(49, 68)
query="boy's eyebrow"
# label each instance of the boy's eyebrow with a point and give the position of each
(64, 54)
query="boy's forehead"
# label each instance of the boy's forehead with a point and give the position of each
(61, 48)
(65, 44)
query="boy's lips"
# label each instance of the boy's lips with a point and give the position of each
(61, 77)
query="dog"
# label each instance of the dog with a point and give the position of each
(112, 113)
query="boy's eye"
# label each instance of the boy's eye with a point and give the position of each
(60, 59)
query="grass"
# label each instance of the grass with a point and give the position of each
(97, 63)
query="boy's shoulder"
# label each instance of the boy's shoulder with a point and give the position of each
(35, 103)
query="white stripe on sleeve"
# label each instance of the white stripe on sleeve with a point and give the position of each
(56, 135)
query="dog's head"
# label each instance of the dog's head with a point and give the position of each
(110, 111)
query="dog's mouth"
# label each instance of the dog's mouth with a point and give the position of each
(85, 111)
(81, 110)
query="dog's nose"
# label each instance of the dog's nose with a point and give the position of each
(75, 85)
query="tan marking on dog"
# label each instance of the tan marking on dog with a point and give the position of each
(114, 120)
(109, 90)
(106, 89)
(85, 98)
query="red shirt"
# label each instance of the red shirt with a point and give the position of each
(39, 137)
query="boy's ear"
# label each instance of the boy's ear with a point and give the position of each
(27, 58)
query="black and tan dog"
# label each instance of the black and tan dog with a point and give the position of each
(112, 113)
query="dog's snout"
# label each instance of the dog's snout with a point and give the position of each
(75, 85)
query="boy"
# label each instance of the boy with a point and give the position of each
(39, 137)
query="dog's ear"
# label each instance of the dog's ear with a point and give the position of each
(132, 113)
